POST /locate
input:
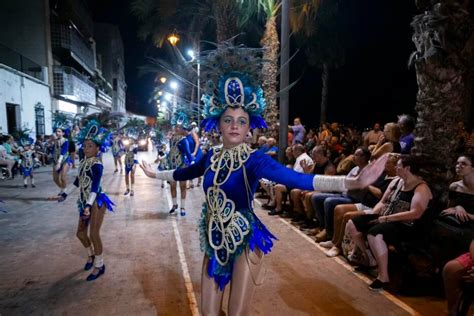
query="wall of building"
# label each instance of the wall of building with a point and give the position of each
(24, 28)
(27, 92)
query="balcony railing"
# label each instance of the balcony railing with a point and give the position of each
(66, 36)
(70, 84)
(19, 62)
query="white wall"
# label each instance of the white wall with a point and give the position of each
(27, 92)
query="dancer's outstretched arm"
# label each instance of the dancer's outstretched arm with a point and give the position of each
(266, 167)
(194, 171)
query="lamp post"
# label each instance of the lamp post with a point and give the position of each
(174, 87)
(193, 56)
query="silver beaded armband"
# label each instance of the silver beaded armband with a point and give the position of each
(329, 183)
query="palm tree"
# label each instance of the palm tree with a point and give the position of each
(269, 9)
(444, 66)
(325, 35)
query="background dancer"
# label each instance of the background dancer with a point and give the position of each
(117, 151)
(27, 161)
(61, 160)
(131, 162)
(92, 200)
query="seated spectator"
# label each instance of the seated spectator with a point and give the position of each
(302, 161)
(262, 144)
(393, 219)
(406, 123)
(455, 273)
(272, 148)
(324, 133)
(269, 186)
(461, 194)
(344, 212)
(302, 199)
(345, 162)
(389, 141)
(324, 203)
(311, 141)
(5, 159)
(40, 150)
(372, 137)
(335, 147)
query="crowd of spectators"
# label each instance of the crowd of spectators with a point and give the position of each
(11, 149)
(364, 226)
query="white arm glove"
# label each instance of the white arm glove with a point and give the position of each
(329, 183)
(166, 175)
(91, 199)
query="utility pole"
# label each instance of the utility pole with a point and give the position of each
(284, 78)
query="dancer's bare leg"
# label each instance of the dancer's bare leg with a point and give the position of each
(211, 296)
(244, 281)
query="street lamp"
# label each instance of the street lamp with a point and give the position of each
(174, 85)
(163, 80)
(191, 54)
(173, 38)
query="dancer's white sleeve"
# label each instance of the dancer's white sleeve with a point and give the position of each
(91, 199)
(329, 183)
(166, 175)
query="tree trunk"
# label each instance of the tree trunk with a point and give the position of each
(324, 93)
(225, 13)
(441, 36)
(270, 70)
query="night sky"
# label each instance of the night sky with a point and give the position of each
(375, 84)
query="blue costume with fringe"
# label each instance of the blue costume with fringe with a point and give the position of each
(117, 148)
(88, 181)
(228, 224)
(180, 154)
(27, 161)
(59, 149)
(192, 145)
(130, 159)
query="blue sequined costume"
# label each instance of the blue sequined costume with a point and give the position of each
(117, 147)
(59, 149)
(130, 159)
(228, 223)
(180, 154)
(27, 161)
(88, 181)
(192, 145)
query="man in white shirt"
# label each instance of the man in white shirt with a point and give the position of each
(302, 160)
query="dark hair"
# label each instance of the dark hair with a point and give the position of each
(469, 157)
(413, 162)
(365, 152)
(408, 122)
(299, 148)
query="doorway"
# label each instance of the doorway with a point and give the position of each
(12, 117)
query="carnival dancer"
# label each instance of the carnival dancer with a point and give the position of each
(131, 162)
(117, 151)
(92, 201)
(232, 237)
(180, 156)
(27, 161)
(195, 147)
(61, 160)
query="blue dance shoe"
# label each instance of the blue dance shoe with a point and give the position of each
(92, 276)
(182, 212)
(89, 265)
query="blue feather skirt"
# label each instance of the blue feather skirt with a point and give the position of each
(258, 237)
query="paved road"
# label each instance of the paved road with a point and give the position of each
(154, 261)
